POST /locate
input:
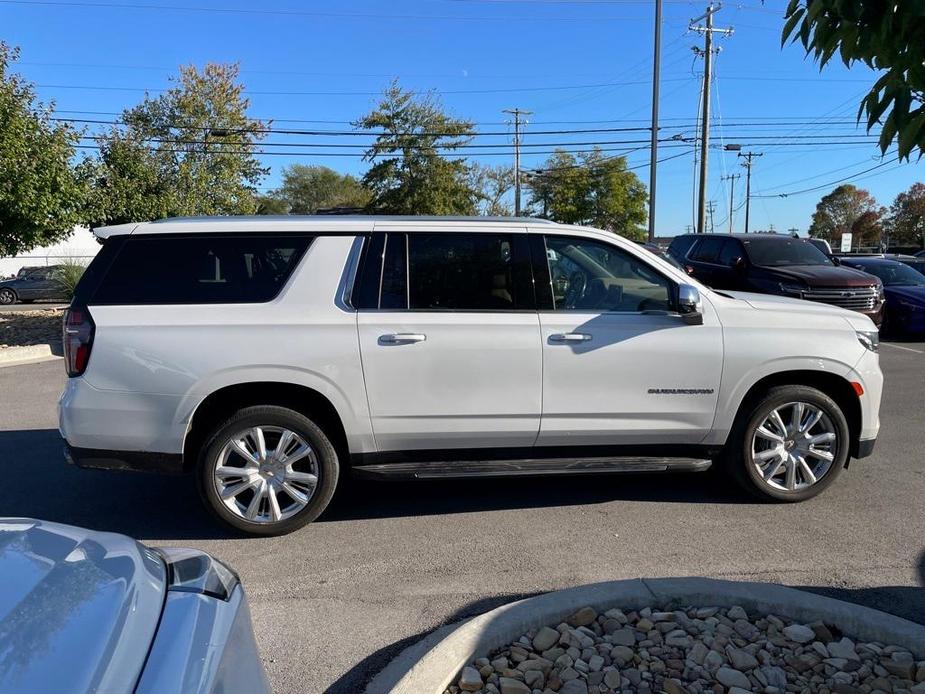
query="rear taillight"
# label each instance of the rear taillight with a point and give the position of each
(78, 339)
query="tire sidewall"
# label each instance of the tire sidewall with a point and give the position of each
(4, 292)
(776, 397)
(328, 467)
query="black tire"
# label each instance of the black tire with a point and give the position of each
(271, 416)
(7, 296)
(737, 455)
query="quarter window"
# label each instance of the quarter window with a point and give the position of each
(200, 269)
(587, 275)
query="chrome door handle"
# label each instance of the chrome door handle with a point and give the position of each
(569, 337)
(401, 338)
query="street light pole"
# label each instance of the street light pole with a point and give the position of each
(653, 156)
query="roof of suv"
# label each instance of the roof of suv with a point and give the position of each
(258, 223)
(786, 237)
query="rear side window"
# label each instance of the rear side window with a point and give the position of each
(447, 272)
(200, 269)
(680, 245)
(732, 249)
(708, 250)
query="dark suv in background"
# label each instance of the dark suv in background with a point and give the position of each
(781, 265)
(31, 284)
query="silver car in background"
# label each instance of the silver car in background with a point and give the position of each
(85, 611)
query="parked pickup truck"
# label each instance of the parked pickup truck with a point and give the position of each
(270, 356)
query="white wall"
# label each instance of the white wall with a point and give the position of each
(80, 245)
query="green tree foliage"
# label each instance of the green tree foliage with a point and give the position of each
(269, 204)
(307, 189)
(906, 221)
(491, 184)
(592, 190)
(410, 172)
(841, 211)
(886, 35)
(189, 151)
(41, 193)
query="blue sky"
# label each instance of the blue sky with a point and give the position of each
(576, 64)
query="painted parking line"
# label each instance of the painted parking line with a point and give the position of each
(908, 349)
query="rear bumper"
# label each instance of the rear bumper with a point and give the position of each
(134, 461)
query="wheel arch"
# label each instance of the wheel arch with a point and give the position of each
(221, 404)
(836, 387)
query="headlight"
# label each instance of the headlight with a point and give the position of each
(870, 339)
(791, 289)
(880, 296)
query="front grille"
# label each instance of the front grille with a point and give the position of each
(854, 298)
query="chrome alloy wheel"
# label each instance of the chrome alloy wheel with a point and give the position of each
(266, 474)
(794, 446)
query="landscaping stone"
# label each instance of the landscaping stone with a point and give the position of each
(695, 650)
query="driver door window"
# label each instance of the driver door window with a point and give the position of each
(588, 276)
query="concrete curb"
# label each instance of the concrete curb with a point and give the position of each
(430, 665)
(17, 356)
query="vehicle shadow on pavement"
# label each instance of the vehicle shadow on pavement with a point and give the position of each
(38, 483)
(362, 499)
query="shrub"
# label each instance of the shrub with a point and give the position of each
(69, 275)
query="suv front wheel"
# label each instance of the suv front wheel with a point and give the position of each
(790, 445)
(268, 471)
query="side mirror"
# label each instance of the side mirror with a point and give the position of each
(835, 259)
(689, 305)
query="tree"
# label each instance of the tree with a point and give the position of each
(906, 221)
(42, 195)
(307, 189)
(868, 229)
(268, 204)
(491, 184)
(190, 151)
(409, 172)
(887, 36)
(593, 190)
(839, 211)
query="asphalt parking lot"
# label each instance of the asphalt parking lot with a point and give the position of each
(388, 562)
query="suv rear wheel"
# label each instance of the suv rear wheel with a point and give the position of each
(790, 445)
(268, 471)
(7, 296)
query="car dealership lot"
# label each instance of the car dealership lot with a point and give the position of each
(388, 562)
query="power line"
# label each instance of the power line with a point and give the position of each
(832, 183)
(311, 13)
(505, 90)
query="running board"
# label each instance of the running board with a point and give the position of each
(529, 467)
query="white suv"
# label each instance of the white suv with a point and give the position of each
(272, 355)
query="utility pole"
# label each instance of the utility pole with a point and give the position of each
(517, 113)
(708, 30)
(748, 156)
(732, 188)
(653, 155)
(711, 208)
(689, 228)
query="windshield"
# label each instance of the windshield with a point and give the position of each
(779, 252)
(894, 274)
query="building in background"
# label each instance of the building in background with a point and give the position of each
(81, 245)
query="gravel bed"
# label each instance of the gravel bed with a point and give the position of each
(695, 649)
(24, 328)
